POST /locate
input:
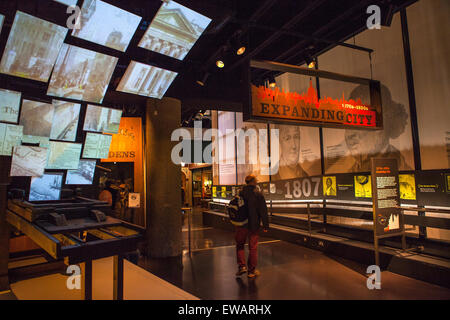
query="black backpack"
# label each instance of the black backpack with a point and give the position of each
(238, 211)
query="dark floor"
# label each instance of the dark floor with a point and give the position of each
(289, 271)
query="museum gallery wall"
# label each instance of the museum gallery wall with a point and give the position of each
(347, 152)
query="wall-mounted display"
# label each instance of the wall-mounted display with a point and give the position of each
(28, 161)
(407, 184)
(174, 30)
(146, 80)
(226, 145)
(2, 19)
(63, 155)
(97, 146)
(65, 120)
(116, 34)
(32, 48)
(329, 186)
(363, 186)
(100, 119)
(10, 136)
(9, 105)
(46, 188)
(81, 74)
(84, 174)
(350, 150)
(68, 2)
(36, 119)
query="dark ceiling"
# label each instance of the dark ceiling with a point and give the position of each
(280, 30)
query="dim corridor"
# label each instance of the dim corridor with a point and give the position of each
(288, 271)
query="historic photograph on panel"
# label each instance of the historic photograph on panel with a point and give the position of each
(65, 120)
(84, 174)
(46, 188)
(145, 80)
(116, 34)
(101, 119)
(36, 118)
(174, 30)
(63, 155)
(28, 161)
(32, 48)
(97, 146)
(10, 136)
(81, 74)
(9, 105)
(2, 19)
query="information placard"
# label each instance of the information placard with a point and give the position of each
(10, 136)
(97, 146)
(386, 197)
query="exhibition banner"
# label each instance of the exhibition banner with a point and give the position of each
(386, 197)
(307, 107)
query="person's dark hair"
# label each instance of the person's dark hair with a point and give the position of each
(249, 179)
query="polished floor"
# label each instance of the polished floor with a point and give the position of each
(288, 271)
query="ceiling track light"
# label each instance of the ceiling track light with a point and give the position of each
(310, 62)
(272, 82)
(202, 82)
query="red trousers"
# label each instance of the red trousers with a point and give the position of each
(241, 238)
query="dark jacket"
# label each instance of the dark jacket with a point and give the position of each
(257, 208)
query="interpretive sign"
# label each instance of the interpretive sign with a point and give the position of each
(10, 136)
(386, 197)
(97, 146)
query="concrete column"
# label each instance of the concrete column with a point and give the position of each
(5, 164)
(163, 179)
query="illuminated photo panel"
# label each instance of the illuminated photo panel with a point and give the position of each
(97, 146)
(46, 188)
(68, 2)
(99, 119)
(9, 105)
(84, 174)
(2, 19)
(32, 48)
(63, 155)
(36, 119)
(65, 120)
(10, 136)
(81, 74)
(174, 30)
(106, 25)
(145, 80)
(28, 161)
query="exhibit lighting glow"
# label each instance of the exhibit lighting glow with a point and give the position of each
(241, 51)
(220, 64)
(272, 82)
(311, 65)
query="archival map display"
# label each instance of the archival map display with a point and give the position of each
(36, 119)
(46, 188)
(28, 161)
(65, 120)
(81, 74)
(96, 146)
(350, 150)
(10, 136)
(174, 30)
(9, 105)
(84, 174)
(32, 48)
(146, 80)
(116, 34)
(63, 155)
(100, 119)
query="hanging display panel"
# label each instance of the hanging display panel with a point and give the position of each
(36, 118)
(32, 48)
(65, 120)
(9, 105)
(46, 188)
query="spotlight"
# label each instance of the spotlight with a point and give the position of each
(202, 82)
(220, 64)
(272, 82)
(241, 51)
(310, 62)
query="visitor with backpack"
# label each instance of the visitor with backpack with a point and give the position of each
(247, 211)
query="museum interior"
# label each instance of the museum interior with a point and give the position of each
(128, 130)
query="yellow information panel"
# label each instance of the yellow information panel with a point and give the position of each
(407, 186)
(329, 186)
(363, 186)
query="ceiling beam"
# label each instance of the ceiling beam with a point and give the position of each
(288, 25)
